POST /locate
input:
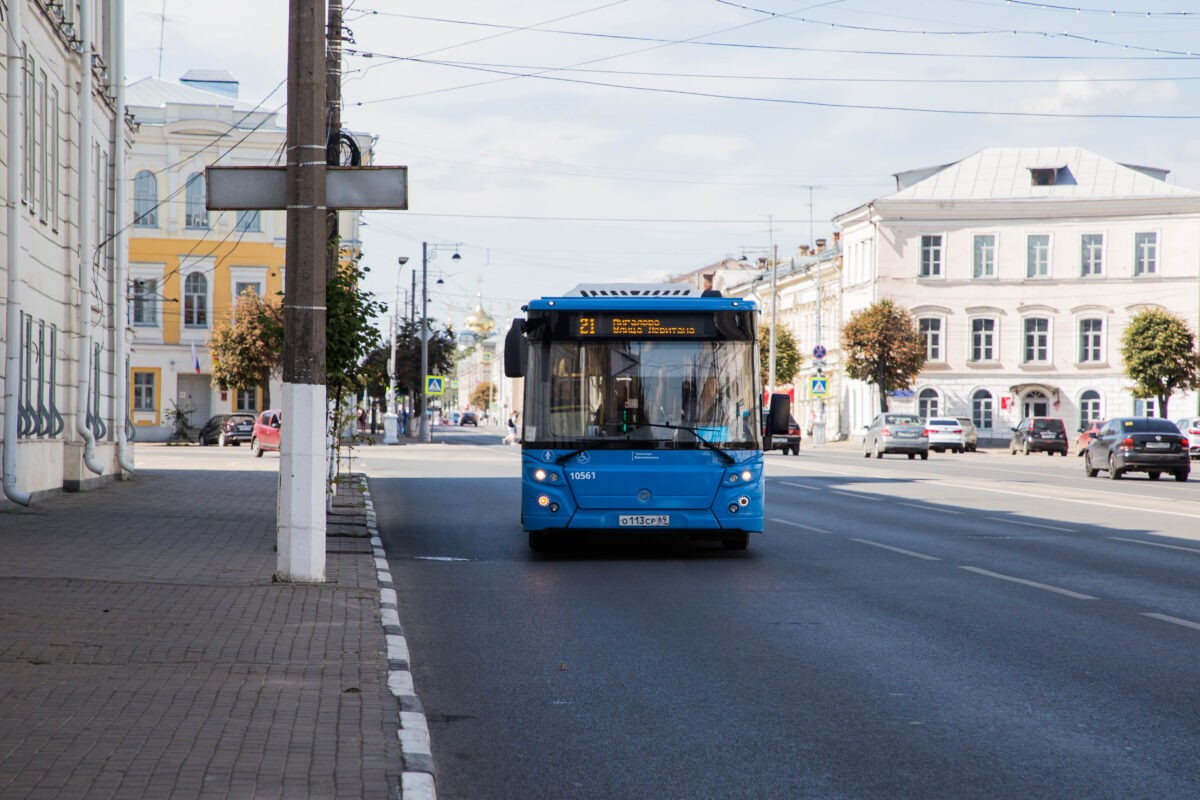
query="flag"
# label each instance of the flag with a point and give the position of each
(195, 359)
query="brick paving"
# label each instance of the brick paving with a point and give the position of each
(145, 651)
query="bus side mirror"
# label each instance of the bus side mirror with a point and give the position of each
(778, 415)
(514, 350)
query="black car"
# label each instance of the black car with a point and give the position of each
(225, 429)
(1138, 444)
(786, 442)
(1039, 434)
(469, 418)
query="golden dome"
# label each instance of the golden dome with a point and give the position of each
(480, 321)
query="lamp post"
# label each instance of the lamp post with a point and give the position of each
(428, 253)
(390, 419)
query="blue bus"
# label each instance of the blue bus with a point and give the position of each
(642, 413)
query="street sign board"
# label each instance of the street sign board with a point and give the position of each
(265, 188)
(435, 384)
(818, 387)
(819, 352)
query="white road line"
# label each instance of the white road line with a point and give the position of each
(1034, 584)
(797, 485)
(1030, 524)
(929, 508)
(1157, 544)
(1173, 620)
(798, 525)
(899, 550)
(1059, 499)
(857, 496)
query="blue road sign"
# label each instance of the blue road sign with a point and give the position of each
(434, 384)
(819, 352)
(818, 387)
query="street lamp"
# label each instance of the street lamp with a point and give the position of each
(428, 253)
(390, 419)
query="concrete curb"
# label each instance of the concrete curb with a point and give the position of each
(418, 779)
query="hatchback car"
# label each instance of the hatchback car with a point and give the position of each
(1085, 436)
(266, 432)
(469, 418)
(945, 433)
(1190, 427)
(970, 434)
(787, 442)
(1039, 434)
(890, 432)
(1138, 444)
(224, 429)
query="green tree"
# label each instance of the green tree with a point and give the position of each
(247, 348)
(882, 346)
(481, 395)
(408, 354)
(349, 335)
(1159, 351)
(787, 356)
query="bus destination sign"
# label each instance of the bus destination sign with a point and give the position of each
(633, 325)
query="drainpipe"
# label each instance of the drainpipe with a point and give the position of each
(86, 211)
(121, 264)
(12, 328)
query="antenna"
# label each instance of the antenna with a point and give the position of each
(162, 25)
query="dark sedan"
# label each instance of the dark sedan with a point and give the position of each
(1138, 444)
(226, 429)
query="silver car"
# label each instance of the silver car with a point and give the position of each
(970, 434)
(892, 432)
(1190, 427)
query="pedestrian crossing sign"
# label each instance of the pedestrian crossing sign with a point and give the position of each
(818, 387)
(435, 384)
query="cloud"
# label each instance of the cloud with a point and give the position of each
(1074, 95)
(699, 145)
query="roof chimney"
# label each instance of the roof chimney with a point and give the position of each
(820, 245)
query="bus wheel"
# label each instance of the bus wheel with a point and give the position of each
(540, 541)
(736, 541)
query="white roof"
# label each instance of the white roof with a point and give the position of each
(157, 93)
(1000, 173)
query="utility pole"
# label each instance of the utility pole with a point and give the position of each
(333, 104)
(301, 499)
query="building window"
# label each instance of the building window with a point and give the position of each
(1089, 407)
(1037, 340)
(55, 159)
(195, 214)
(246, 400)
(195, 301)
(145, 303)
(983, 339)
(1145, 407)
(249, 222)
(143, 391)
(985, 256)
(1091, 341)
(931, 256)
(981, 408)
(1091, 254)
(927, 403)
(1145, 253)
(1037, 255)
(931, 331)
(145, 200)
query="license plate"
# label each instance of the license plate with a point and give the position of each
(1158, 445)
(1049, 436)
(905, 435)
(644, 520)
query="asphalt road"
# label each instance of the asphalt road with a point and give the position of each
(972, 626)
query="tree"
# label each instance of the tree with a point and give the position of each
(481, 395)
(408, 354)
(349, 335)
(1159, 351)
(787, 356)
(883, 347)
(247, 348)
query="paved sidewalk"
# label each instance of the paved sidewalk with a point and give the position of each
(146, 653)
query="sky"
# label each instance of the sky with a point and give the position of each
(557, 142)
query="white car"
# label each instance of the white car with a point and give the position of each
(970, 434)
(945, 433)
(1190, 427)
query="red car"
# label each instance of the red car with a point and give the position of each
(1085, 436)
(266, 432)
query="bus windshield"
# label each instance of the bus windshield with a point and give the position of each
(624, 393)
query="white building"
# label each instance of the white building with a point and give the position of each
(1023, 267)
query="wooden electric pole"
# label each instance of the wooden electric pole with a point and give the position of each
(333, 106)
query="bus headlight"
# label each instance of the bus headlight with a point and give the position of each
(539, 474)
(543, 501)
(747, 475)
(743, 501)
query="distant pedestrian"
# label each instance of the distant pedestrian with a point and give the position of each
(511, 438)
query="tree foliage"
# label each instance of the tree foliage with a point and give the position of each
(482, 394)
(1159, 351)
(247, 348)
(882, 346)
(349, 335)
(408, 354)
(787, 356)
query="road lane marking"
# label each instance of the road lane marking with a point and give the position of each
(1030, 524)
(1157, 544)
(1173, 620)
(1059, 499)
(1034, 584)
(857, 496)
(929, 508)
(798, 525)
(797, 485)
(899, 550)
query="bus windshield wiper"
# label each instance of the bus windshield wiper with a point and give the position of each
(565, 457)
(726, 459)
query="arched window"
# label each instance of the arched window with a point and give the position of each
(195, 301)
(982, 407)
(145, 200)
(927, 403)
(1089, 407)
(195, 214)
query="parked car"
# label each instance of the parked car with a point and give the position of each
(1190, 427)
(266, 432)
(970, 434)
(1138, 444)
(891, 432)
(469, 418)
(1039, 434)
(223, 429)
(1085, 436)
(786, 442)
(945, 433)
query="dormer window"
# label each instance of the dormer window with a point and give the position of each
(1050, 176)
